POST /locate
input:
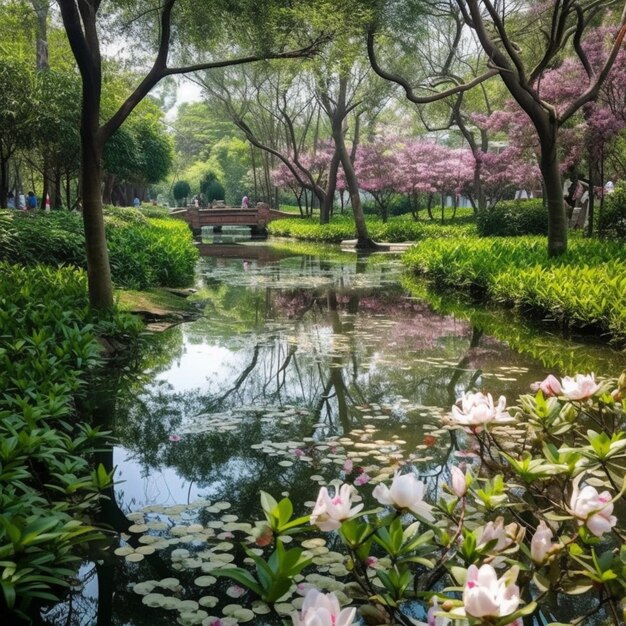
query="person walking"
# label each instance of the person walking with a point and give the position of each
(21, 201)
(245, 202)
(31, 201)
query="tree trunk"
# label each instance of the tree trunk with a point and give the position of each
(363, 239)
(329, 197)
(56, 200)
(4, 183)
(98, 269)
(557, 222)
(590, 201)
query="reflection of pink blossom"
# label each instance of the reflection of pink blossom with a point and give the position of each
(174, 437)
(235, 591)
(347, 466)
(363, 479)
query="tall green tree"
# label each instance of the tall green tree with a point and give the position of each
(182, 27)
(17, 115)
(521, 46)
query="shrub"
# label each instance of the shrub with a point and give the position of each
(586, 287)
(143, 251)
(397, 229)
(512, 218)
(47, 485)
(181, 190)
(613, 222)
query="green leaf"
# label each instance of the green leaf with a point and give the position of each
(241, 576)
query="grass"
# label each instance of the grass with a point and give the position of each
(397, 229)
(158, 302)
(584, 289)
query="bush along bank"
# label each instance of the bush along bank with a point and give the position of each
(584, 289)
(48, 485)
(397, 229)
(144, 251)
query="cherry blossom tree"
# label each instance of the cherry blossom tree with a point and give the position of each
(376, 164)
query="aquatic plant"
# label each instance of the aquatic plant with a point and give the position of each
(532, 517)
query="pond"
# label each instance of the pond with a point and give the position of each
(304, 366)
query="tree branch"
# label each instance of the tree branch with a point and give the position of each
(592, 91)
(408, 89)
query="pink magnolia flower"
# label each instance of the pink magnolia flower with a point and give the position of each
(328, 513)
(550, 386)
(371, 561)
(496, 531)
(432, 619)
(541, 544)
(174, 438)
(322, 609)
(593, 509)
(486, 595)
(579, 387)
(477, 410)
(459, 481)
(406, 492)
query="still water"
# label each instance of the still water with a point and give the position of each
(301, 368)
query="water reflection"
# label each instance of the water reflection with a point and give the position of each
(297, 364)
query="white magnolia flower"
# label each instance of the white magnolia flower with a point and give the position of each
(541, 544)
(322, 609)
(496, 531)
(593, 509)
(329, 512)
(477, 410)
(459, 481)
(579, 387)
(486, 595)
(406, 492)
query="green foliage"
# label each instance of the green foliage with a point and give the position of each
(144, 252)
(274, 576)
(211, 188)
(511, 218)
(181, 190)
(613, 221)
(47, 484)
(584, 288)
(397, 229)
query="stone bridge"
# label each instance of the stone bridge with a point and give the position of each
(257, 218)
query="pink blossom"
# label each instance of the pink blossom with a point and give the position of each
(371, 561)
(579, 387)
(329, 512)
(459, 481)
(174, 438)
(477, 410)
(541, 543)
(593, 509)
(347, 466)
(486, 595)
(323, 609)
(498, 532)
(406, 492)
(550, 386)
(298, 452)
